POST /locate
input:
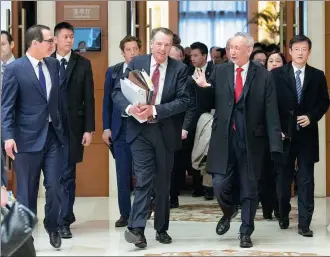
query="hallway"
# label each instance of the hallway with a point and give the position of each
(94, 234)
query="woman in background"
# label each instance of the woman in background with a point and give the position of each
(268, 196)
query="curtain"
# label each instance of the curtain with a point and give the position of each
(211, 22)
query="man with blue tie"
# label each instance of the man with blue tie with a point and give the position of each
(31, 125)
(303, 99)
(114, 126)
(78, 117)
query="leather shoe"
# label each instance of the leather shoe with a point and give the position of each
(208, 193)
(284, 222)
(306, 232)
(163, 238)
(136, 236)
(122, 222)
(245, 241)
(224, 223)
(55, 239)
(65, 232)
(174, 205)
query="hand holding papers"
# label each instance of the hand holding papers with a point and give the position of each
(138, 90)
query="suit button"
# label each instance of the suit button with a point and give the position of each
(229, 103)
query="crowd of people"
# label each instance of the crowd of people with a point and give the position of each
(260, 116)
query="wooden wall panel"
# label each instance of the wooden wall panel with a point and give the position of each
(327, 72)
(173, 13)
(93, 172)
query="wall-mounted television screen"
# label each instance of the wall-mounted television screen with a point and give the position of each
(87, 39)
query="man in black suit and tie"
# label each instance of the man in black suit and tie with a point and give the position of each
(246, 120)
(303, 99)
(78, 116)
(153, 143)
(31, 125)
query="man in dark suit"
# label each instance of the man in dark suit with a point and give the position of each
(114, 128)
(31, 125)
(303, 99)
(77, 105)
(246, 120)
(201, 102)
(153, 143)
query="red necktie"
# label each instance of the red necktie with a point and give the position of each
(238, 87)
(155, 81)
(238, 84)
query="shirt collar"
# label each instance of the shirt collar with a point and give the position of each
(11, 59)
(295, 68)
(67, 57)
(33, 60)
(245, 67)
(203, 67)
(153, 62)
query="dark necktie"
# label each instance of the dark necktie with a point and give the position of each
(63, 71)
(155, 82)
(42, 79)
(238, 87)
(298, 85)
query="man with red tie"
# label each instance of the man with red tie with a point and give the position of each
(246, 119)
(153, 143)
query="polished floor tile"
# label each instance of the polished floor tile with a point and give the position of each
(94, 234)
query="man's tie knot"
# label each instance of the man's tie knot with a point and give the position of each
(63, 61)
(298, 72)
(40, 64)
(239, 70)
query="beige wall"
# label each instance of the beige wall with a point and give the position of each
(316, 32)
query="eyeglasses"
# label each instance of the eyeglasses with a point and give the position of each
(49, 41)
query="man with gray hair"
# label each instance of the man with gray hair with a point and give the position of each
(154, 142)
(246, 123)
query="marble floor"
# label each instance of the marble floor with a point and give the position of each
(94, 234)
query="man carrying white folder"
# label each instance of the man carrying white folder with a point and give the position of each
(153, 142)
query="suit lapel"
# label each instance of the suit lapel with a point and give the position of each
(250, 75)
(231, 75)
(208, 71)
(52, 77)
(288, 76)
(71, 65)
(168, 78)
(307, 79)
(33, 77)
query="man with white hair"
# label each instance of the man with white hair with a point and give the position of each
(246, 123)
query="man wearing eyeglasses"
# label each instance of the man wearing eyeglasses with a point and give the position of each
(31, 125)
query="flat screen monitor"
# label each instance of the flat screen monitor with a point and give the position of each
(87, 39)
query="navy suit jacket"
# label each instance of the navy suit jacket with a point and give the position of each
(111, 114)
(25, 110)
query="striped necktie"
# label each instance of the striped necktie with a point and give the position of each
(298, 85)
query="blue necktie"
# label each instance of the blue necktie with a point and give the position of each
(42, 79)
(63, 71)
(298, 85)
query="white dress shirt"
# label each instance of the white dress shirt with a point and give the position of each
(125, 67)
(245, 68)
(302, 73)
(67, 58)
(45, 70)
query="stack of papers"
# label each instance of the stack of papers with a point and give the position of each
(138, 89)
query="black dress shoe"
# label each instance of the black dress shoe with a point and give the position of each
(163, 238)
(55, 239)
(277, 215)
(65, 232)
(136, 236)
(208, 193)
(245, 241)
(224, 223)
(198, 192)
(174, 205)
(306, 232)
(268, 216)
(284, 222)
(122, 222)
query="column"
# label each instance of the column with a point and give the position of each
(316, 32)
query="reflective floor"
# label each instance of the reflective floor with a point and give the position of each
(94, 234)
